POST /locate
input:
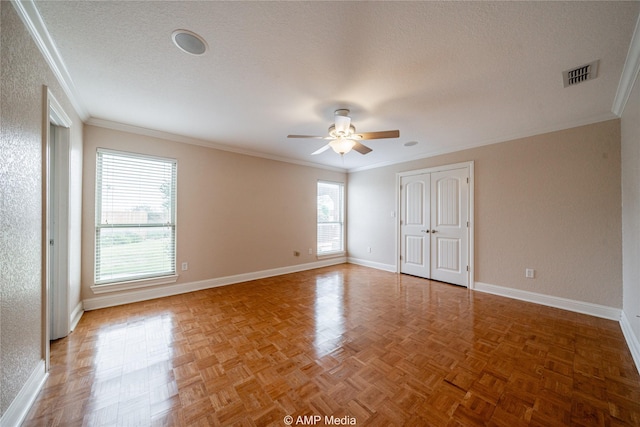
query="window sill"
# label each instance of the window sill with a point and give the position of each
(134, 284)
(331, 255)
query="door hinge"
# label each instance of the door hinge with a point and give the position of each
(51, 242)
(467, 180)
(467, 224)
(467, 268)
(400, 257)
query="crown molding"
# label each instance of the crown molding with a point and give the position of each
(490, 141)
(31, 18)
(629, 73)
(107, 124)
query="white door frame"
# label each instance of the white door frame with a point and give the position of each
(54, 114)
(470, 166)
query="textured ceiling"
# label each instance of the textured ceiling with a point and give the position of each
(449, 75)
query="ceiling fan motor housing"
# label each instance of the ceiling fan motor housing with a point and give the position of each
(333, 132)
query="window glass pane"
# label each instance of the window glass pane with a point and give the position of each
(135, 217)
(135, 252)
(330, 217)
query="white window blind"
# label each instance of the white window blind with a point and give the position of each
(330, 217)
(135, 217)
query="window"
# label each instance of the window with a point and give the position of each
(330, 217)
(135, 217)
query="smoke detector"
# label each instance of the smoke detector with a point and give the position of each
(580, 74)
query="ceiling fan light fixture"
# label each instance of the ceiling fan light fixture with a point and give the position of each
(342, 145)
(344, 138)
(189, 42)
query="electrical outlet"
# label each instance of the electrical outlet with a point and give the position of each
(185, 266)
(369, 249)
(310, 251)
(296, 253)
(529, 273)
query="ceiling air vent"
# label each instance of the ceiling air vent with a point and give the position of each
(580, 74)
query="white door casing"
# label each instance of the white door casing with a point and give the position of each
(436, 223)
(56, 225)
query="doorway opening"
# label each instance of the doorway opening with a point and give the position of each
(55, 264)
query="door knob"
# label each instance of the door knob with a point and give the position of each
(434, 231)
(424, 231)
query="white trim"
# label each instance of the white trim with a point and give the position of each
(19, 408)
(76, 315)
(56, 167)
(327, 255)
(596, 310)
(632, 339)
(133, 284)
(31, 18)
(57, 115)
(490, 141)
(372, 264)
(137, 130)
(629, 73)
(472, 227)
(181, 288)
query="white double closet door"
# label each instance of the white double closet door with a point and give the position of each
(434, 225)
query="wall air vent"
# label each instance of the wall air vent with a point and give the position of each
(580, 74)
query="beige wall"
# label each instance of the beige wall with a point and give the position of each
(631, 210)
(24, 72)
(236, 213)
(550, 202)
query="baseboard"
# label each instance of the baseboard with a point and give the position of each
(76, 315)
(182, 288)
(596, 310)
(17, 411)
(632, 339)
(377, 265)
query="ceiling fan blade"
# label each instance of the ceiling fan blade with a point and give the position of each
(361, 148)
(378, 135)
(321, 150)
(307, 136)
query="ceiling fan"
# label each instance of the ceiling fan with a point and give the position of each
(343, 137)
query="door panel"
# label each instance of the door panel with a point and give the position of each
(448, 254)
(415, 252)
(414, 228)
(449, 226)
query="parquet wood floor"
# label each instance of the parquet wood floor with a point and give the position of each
(361, 345)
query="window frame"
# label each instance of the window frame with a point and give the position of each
(134, 280)
(342, 222)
